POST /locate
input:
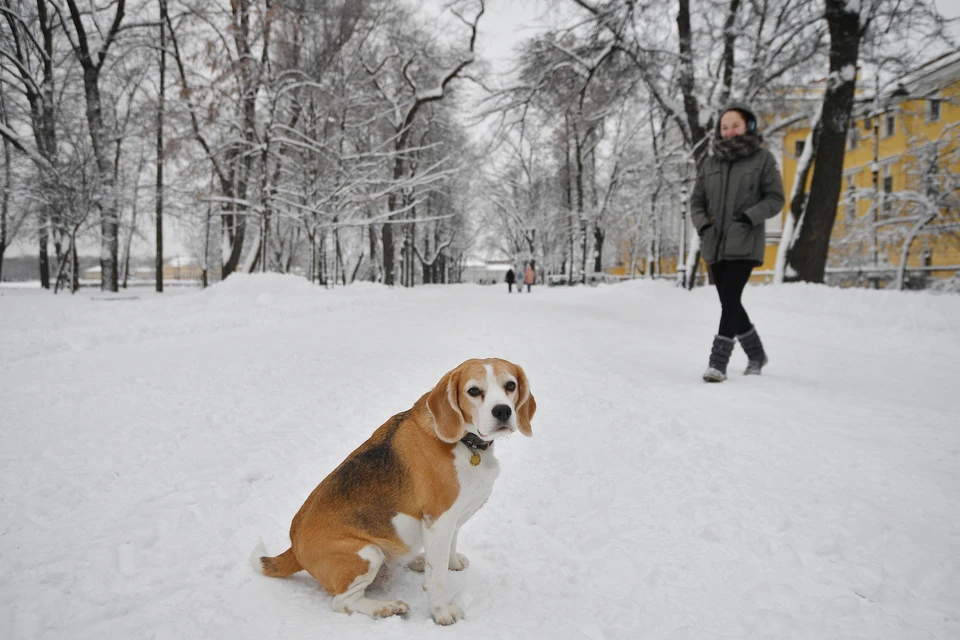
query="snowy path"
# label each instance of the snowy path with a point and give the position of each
(148, 444)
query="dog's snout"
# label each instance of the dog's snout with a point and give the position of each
(502, 412)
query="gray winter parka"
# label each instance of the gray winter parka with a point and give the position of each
(749, 185)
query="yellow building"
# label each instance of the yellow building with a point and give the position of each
(901, 180)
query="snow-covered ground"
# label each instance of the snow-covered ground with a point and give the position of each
(148, 445)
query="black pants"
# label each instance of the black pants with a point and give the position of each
(730, 277)
(509, 287)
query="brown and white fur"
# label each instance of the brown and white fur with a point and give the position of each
(410, 486)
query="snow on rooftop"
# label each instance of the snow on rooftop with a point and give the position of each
(182, 261)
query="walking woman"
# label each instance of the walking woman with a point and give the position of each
(738, 187)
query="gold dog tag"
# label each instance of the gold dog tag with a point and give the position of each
(475, 459)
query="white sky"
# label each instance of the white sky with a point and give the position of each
(504, 24)
(949, 8)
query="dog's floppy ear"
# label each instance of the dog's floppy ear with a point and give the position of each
(527, 405)
(443, 403)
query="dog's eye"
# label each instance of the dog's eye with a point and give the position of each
(510, 386)
(474, 391)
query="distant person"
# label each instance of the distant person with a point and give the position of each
(738, 187)
(529, 276)
(510, 278)
(519, 276)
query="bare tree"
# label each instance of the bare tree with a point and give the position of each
(407, 97)
(808, 256)
(9, 224)
(30, 50)
(92, 61)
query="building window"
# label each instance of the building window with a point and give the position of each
(933, 110)
(931, 178)
(887, 196)
(889, 124)
(851, 198)
(867, 124)
(853, 139)
(798, 147)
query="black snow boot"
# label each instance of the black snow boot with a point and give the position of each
(756, 357)
(719, 357)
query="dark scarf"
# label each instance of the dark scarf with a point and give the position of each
(730, 149)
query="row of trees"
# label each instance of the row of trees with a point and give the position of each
(612, 116)
(302, 134)
(329, 136)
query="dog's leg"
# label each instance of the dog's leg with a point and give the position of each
(458, 561)
(353, 599)
(437, 541)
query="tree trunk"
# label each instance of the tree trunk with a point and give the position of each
(43, 258)
(798, 199)
(386, 232)
(808, 257)
(428, 270)
(235, 225)
(569, 193)
(133, 225)
(691, 106)
(729, 42)
(160, 108)
(356, 269)
(4, 203)
(75, 269)
(581, 214)
(598, 236)
(109, 223)
(61, 265)
(5, 197)
(205, 274)
(372, 269)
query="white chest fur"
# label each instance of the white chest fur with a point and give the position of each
(476, 483)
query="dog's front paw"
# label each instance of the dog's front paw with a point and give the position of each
(458, 562)
(447, 614)
(417, 564)
(394, 608)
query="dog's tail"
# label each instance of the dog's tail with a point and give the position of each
(280, 566)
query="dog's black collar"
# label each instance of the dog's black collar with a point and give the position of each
(475, 442)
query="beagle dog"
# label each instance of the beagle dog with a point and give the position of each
(411, 486)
